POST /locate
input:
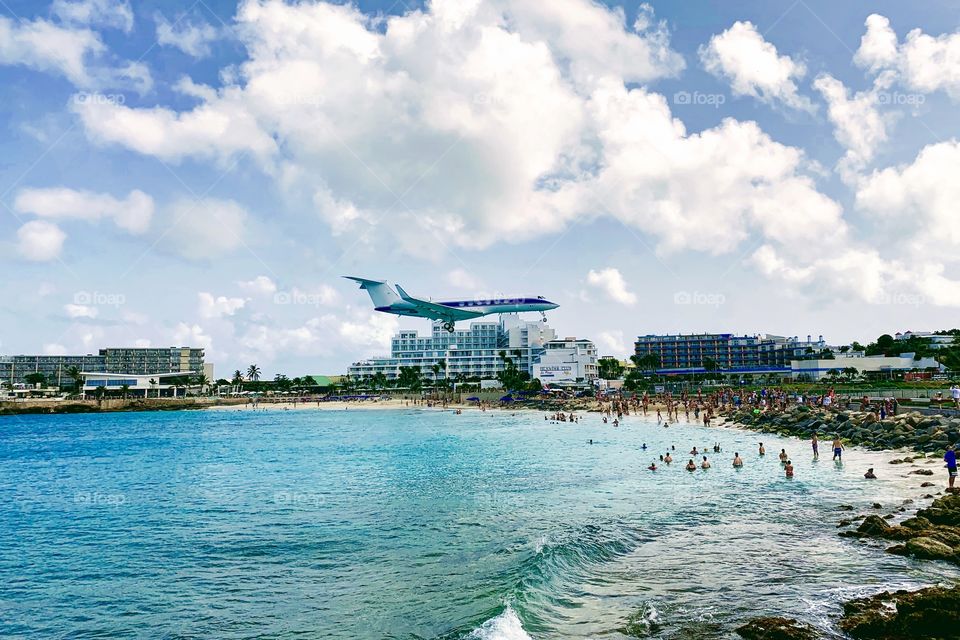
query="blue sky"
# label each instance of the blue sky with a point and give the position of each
(202, 173)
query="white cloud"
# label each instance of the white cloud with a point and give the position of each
(76, 53)
(753, 67)
(142, 343)
(44, 46)
(611, 342)
(924, 63)
(54, 349)
(206, 229)
(610, 281)
(261, 285)
(131, 214)
(105, 13)
(858, 123)
(462, 279)
(191, 335)
(193, 38)
(216, 306)
(40, 241)
(922, 196)
(80, 311)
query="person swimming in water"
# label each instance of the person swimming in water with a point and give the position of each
(644, 447)
(653, 466)
(691, 466)
(783, 455)
(788, 469)
(668, 458)
(870, 475)
(737, 460)
(694, 452)
(763, 451)
(705, 464)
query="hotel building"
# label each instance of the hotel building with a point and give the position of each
(477, 352)
(688, 353)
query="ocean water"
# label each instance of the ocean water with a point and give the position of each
(422, 524)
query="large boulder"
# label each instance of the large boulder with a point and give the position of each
(929, 613)
(929, 549)
(776, 628)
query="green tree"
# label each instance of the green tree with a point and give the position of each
(379, 380)
(409, 378)
(100, 393)
(237, 378)
(36, 379)
(609, 368)
(253, 373)
(74, 374)
(124, 391)
(202, 381)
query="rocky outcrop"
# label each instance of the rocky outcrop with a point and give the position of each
(775, 628)
(933, 534)
(930, 613)
(926, 434)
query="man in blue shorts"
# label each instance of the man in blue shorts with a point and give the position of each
(951, 459)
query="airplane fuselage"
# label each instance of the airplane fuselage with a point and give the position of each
(484, 307)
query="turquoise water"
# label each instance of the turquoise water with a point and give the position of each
(419, 524)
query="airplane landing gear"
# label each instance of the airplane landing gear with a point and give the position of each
(543, 316)
(448, 326)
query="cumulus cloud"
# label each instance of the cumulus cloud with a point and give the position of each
(261, 285)
(858, 124)
(611, 342)
(193, 38)
(131, 214)
(924, 63)
(191, 335)
(116, 14)
(610, 281)
(80, 311)
(76, 53)
(54, 349)
(40, 241)
(922, 196)
(753, 67)
(463, 279)
(217, 306)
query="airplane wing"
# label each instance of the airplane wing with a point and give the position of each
(437, 311)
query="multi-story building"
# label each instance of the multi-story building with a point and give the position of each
(567, 361)
(478, 352)
(144, 361)
(125, 360)
(694, 352)
(55, 369)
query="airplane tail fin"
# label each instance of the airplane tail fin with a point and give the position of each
(380, 292)
(403, 294)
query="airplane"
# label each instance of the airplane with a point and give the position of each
(387, 300)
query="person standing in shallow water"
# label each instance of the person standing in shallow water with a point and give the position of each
(737, 460)
(788, 469)
(763, 451)
(691, 466)
(815, 443)
(951, 459)
(837, 448)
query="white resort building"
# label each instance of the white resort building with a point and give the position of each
(478, 352)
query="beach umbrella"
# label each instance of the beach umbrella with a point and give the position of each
(473, 399)
(506, 398)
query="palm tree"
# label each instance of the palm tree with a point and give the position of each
(100, 393)
(125, 391)
(202, 381)
(253, 373)
(74, 374)
(237, 377)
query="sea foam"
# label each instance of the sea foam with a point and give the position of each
(505, 626)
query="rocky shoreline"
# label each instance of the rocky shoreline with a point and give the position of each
(931, 534)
